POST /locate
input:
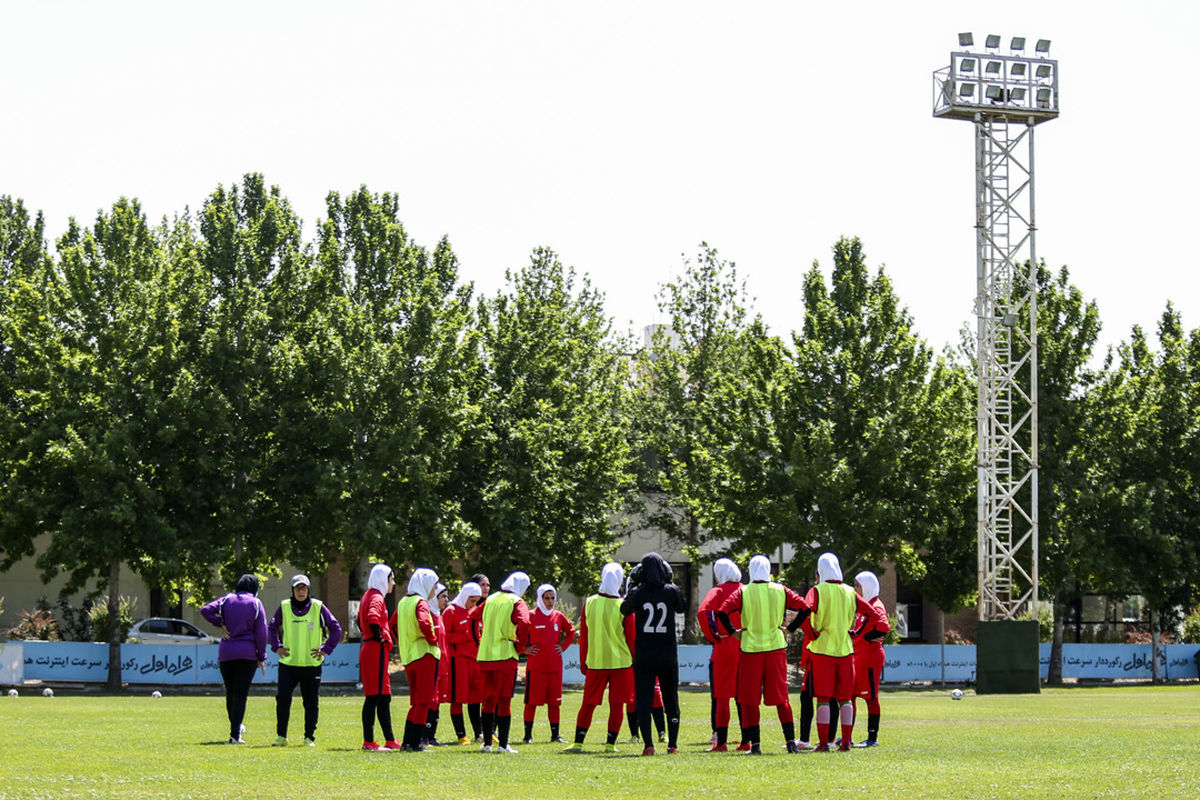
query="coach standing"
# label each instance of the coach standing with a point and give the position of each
(243, 622)
(302, 633)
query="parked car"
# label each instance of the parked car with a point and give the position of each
(163, 630)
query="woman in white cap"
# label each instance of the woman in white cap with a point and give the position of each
(302, 632)
(834, 605)
(723, 664)
(550, 632)
(868, 653)
(462, 639)
(416, 639)
(762, 665)
(606, 638)
(505, 620)
(373, 656)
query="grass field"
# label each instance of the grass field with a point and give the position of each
(1120, 742)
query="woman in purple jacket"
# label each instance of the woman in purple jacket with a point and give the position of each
(243, 622)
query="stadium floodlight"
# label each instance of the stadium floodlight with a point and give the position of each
(1004, 103)
(966, 40)
(1042, 48)
(966, 65)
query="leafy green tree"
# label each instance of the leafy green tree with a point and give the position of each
(549, 463)
(876, 433)
(1141, 498)
(1067, 331)
(95, 344)
(402, 358)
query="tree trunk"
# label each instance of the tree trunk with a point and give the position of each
(114, 625)
(1054, 677)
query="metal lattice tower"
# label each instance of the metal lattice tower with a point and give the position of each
(1004, 97)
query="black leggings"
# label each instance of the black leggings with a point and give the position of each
(380, 704)
(666, 670)
(238, 675)
(309, 680)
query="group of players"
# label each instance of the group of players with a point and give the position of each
(464, 651)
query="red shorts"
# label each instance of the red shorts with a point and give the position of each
(868, 669)
(724, 673)
(832, 677)
(543, 688)
(619, 683)
(499, 679)
(373, 668)
(465, 684)
(762, 677)
(422, 680)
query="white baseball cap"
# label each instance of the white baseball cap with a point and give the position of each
(299, 579)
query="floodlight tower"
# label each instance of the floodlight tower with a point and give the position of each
(1004, 97)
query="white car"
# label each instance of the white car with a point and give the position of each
(163, 630)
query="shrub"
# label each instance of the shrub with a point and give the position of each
(954, 637)
(1045, 620)
(98, 614)
(75, 624)
(37, 625)
(893, 635)
(1190, 630)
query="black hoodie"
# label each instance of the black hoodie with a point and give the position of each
(656, 601)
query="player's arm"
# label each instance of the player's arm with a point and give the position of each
(520, 618)
(876, 625)
(811, 600)
(732, 604)
(334, 627)
(583, 640)
(425, 621)
(568, 632)
(796, 603)
(275, 632)
(631, 631)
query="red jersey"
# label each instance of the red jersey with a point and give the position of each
(867, 624)
(462, 632)
(877, 616)
(372, 610)
(546, 631)
(709, 607)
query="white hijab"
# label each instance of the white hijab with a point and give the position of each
(760, 569)
(433, 604)
(422, 582)
(725, 571)
(469, 589)
(869, 584)
(379, 578)
(828, 568)
(610, 579)
(541, 590)
(516, 583)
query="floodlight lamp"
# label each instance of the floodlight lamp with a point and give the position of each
(1017, 95)
(966, 65)
(994, 92)
(992, 41)
(1042, 47)
(966, 90)
(1018, 44)
(1043, 71)
(966, 40)
(1019, 69)
(1043, 98)
(992, 68)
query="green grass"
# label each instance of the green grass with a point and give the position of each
(1120, 742)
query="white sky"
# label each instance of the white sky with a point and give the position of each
(622, 134)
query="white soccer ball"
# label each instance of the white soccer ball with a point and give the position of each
(956, 694)
(47, 692)
(156, 695)
(13, 693)
(358, 686)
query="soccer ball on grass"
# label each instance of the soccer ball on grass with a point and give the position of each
(157, 695)
(956, 694)
(13, 693)
(47, 692)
